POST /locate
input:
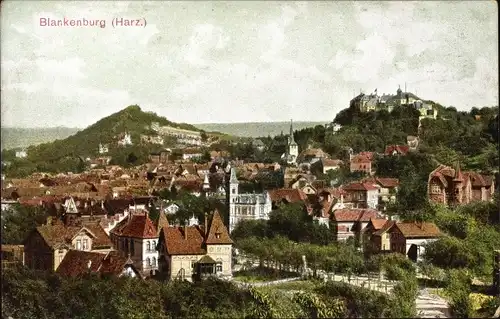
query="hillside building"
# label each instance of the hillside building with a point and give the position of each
(103, 148)
(451, 186)
(374, 102)
(125, 140)
(185, 137)
(21, 154)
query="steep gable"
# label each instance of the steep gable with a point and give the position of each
(138, 226)
(161, 222)
(217, 233)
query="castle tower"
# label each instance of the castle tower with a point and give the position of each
(293, 148)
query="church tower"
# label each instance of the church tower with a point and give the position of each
(233, 198)
(293, 148)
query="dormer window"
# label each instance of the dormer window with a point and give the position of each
(217, 235)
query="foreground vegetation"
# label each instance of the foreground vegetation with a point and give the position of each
(28, 294)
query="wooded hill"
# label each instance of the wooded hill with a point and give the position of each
(68, 154)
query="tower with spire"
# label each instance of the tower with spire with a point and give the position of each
(293, 148)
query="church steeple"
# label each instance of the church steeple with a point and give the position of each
(291, 139)
(293, 149)
(399, 92)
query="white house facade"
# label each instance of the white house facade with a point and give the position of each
(246, 206)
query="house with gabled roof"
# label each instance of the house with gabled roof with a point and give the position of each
(362, 162)
(410, 238)
(47, 245)
(376, 234)
(196, 251)
(387, 189)
(393, 150)
(78, 263)
(350, 221)
(451, 186)
(362, 195)
(137, 236)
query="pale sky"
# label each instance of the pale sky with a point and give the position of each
(241, 61)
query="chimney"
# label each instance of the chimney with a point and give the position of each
(185, 232)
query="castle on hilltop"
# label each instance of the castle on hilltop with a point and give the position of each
(374, 102)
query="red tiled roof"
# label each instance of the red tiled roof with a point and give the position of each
(218, 234)
(59, 234)
(331, 162)
(136, 226)
(183, 240)
(387, 182)
(359, 187)
(354, 215)
(368, 155)
(102, 239)
(191, 240)
(400, 149)
(360, 159)
(291, 195)
(335, 192)
(388, 224)
(76, 263)
(114, 264)
(378, 223)
(419, 230)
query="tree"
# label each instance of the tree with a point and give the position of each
(316, 307)
(448, 252)
(458, 287)
(18, 221)
(248, 228)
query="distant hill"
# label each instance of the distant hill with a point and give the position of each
(67, 154)
(24, 137)
(107, 131)
(256, 129)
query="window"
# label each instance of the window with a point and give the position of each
(132, 248)
(154, 245)
(85, 244)
(435, 189)
(154, 261)
(217, 235)
(233, 191)
(218, 267)
(148, 248)
(148, 261)
(78, 244)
